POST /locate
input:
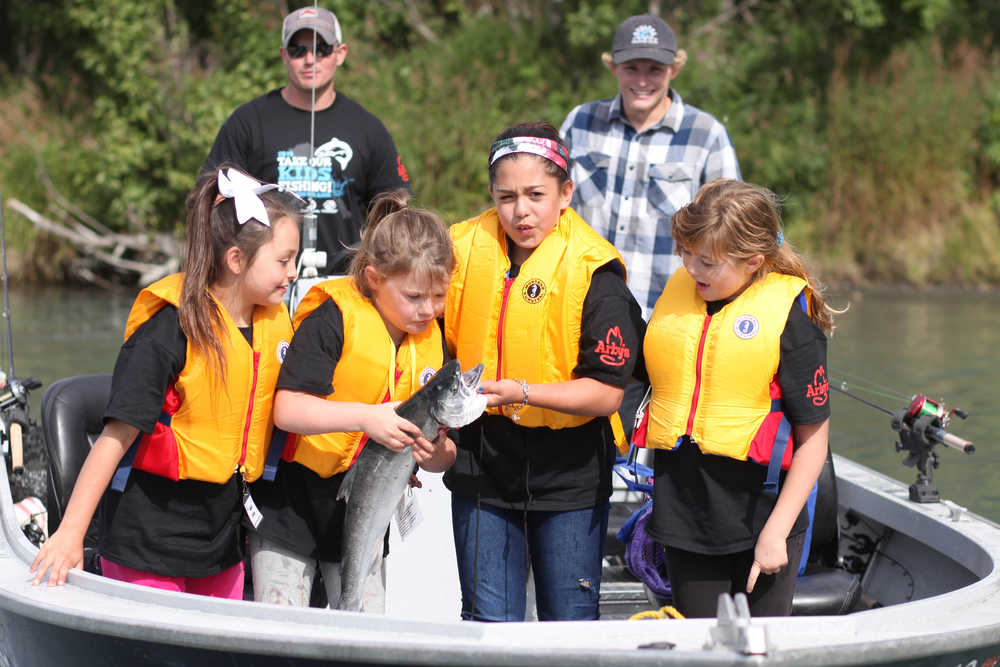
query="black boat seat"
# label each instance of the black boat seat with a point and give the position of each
(825, 589)
(72, 418)
(826, 592)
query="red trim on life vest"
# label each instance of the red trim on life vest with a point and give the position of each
(157, 451)
(697, 374)
(172, 400)
(640, 431)
(764, 439)
(507, 282)
(291, 442)
(253, 395)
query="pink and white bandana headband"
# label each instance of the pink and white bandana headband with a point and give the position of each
(547, 148)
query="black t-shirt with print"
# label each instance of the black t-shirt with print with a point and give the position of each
(508, 465)
(712, 504)
(186, 528)
(354, 159)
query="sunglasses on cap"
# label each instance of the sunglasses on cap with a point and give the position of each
(296, 51)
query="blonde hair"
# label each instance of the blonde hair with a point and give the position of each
(680, 58)
(739, 220)
(400, 240)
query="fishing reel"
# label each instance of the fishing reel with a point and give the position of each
(14, 418)
(14, 391)
(922, 425)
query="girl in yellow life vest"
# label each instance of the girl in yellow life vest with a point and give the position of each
(540, 299)
(362, 344)
(736, 356)
(189, 417)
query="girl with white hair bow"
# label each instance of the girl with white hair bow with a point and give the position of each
(188, 422)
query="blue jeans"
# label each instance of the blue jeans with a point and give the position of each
(566, 550)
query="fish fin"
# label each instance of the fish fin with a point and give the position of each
(345, 484)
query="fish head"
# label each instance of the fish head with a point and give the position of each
(457, 400)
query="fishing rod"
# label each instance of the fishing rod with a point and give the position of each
(14, 417)
(921, 426)
(311, 259)
(6, 291)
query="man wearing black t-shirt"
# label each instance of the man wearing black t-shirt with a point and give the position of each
(353, 157)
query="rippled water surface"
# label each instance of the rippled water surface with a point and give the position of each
(888, 346)
(942, 344)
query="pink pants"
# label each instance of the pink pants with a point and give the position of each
(225, 584)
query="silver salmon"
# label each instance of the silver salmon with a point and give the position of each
(377, 480)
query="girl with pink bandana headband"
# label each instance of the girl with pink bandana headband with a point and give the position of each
(540, 299)
(547, 148)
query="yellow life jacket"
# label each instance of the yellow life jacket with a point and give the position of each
(714, 376)
(210, 426)
(528, 327)
(369, 367)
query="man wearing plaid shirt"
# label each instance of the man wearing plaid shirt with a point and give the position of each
(640, 156)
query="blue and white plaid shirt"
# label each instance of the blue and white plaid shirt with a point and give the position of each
(628, 185)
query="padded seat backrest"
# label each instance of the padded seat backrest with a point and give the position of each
(72, 418)
(826, 588)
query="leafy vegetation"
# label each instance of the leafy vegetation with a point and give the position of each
(878, 121)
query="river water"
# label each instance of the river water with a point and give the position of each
(888, 346)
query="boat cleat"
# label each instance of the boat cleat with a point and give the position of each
(734, 630)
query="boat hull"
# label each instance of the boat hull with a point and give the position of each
(98, 621)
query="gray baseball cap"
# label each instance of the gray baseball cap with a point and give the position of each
(322, 21)
(644, 36)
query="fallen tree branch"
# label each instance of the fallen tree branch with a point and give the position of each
(156, 255)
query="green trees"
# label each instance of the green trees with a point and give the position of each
(877, 120)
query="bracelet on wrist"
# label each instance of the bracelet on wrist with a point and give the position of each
(524, 400)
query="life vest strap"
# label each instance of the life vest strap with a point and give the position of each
(811, 509)
(279, 438)
(774, 474)
(781, 439)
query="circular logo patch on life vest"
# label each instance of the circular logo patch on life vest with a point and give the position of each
(746, 327)
(282, 351)
(426, 375)
(533, 291)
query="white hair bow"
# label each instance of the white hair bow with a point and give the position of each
(245, 193)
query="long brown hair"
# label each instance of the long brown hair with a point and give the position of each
(739, 220)
(401, 240)
(212, 229)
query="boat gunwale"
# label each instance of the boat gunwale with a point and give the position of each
(164, 616)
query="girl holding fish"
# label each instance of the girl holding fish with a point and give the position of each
(736, 356)
(191, 400)
(540, 299)
(362, 344)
